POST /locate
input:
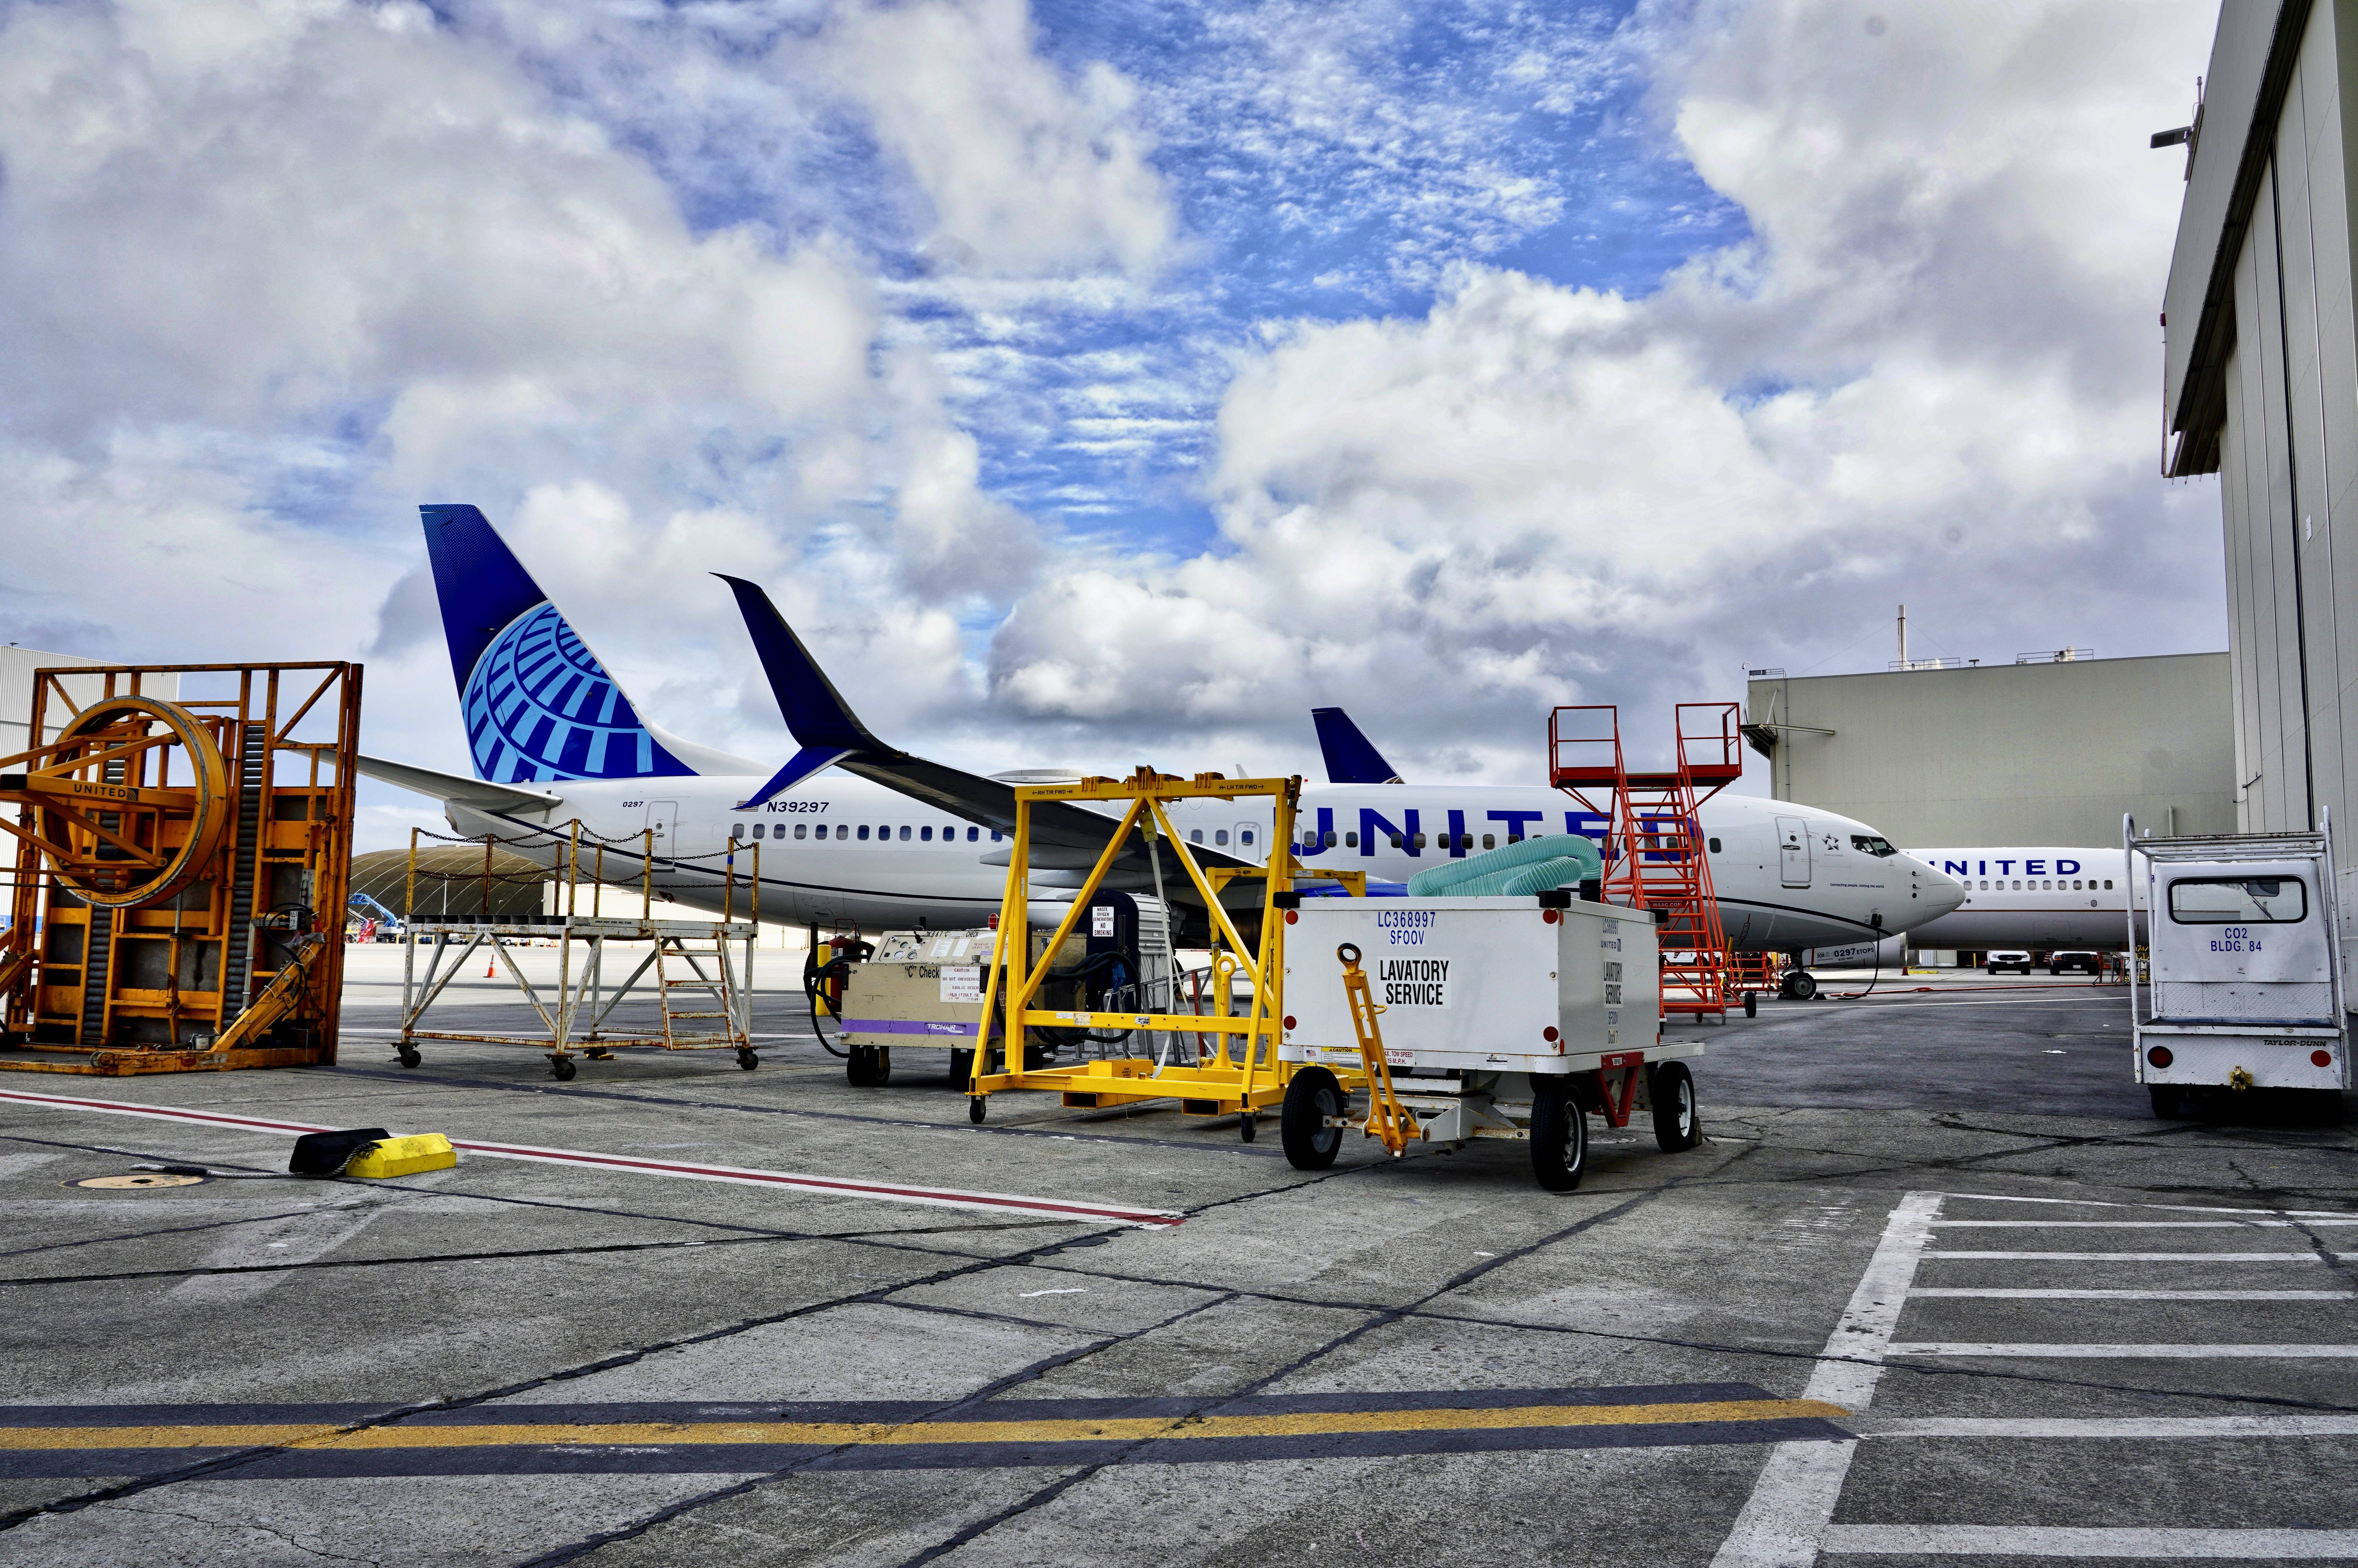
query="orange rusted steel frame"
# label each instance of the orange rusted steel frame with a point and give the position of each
(322, 847)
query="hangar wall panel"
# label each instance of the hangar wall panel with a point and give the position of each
(2046, 753)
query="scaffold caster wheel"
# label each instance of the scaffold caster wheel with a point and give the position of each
(1248, 1125)
(1559, 1135)
(561, 1068)
(748, 1059)
(410, 1057)
(1751, 1004)
(973, 1110)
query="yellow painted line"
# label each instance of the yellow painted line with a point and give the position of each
(840, 1433)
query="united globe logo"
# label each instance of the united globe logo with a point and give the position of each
(540, 705)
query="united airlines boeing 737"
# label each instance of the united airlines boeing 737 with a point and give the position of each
(855, 831)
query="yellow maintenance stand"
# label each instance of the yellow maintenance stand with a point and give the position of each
(1243, 1074)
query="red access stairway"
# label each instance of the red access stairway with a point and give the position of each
(1654, 856)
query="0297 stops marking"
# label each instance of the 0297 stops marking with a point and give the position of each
(1788, 1522)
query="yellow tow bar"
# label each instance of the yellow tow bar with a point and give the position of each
(1387, 1117)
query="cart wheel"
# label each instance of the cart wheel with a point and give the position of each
(1671, 1088)
(879, 1063)
(857, 1071)
(748, 1059)
(410, 1057)
(1751, 1004)
(1800, 985)
(1312, 1096)
(1559, 1135)
(561, 1068)
(2168, 1100)
(1248, 1125)
(973, 1110)
(961, 1067)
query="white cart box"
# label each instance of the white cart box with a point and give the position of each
(2244, 989)
(1479, 985)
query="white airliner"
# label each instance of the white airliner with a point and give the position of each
(2039, 896)
(1785, 876)
(856, 832)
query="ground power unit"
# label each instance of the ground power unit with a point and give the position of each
(2245, 987)
(1506, 1018)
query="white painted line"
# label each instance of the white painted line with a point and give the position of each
(2126, 1352)
(2163, 1208)
(1786, 1515)
(2157, 1257)
(2140, 1224)
(886, 1192)
(2197, 1426)
(2140, 1295)
(2049, 1541)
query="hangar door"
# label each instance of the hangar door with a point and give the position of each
(1793, 852)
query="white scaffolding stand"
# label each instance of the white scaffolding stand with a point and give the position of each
(703, 997)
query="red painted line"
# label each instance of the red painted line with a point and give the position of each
(939, 1197)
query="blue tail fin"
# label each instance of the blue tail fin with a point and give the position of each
(1349, 757)
(537, 703)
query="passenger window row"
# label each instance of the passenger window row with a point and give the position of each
(1464, 840)
(844, 830)
(2052, 884)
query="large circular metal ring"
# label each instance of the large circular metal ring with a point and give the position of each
(125, 841)
(1349, 952)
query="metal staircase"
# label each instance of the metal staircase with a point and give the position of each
(674, 952)
(1654, 846)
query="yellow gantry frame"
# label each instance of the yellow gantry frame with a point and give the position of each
(1232, 1081)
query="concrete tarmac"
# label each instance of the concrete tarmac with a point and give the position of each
(1937, 1286)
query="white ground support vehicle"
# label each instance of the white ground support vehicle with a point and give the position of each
(2245, 975)
(1500, 1018)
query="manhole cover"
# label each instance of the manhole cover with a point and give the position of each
(137, 1180)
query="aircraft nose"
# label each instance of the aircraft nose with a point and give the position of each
(1937, 893)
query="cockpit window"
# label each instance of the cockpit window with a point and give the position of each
(1872, 844)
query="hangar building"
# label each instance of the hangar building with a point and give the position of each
(2051, 752)
(2260, 386)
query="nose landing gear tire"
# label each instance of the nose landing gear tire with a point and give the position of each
(1559, 1135)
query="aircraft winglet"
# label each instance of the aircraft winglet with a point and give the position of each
(821, 722)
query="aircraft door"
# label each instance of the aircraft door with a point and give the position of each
(1793, 851)
(663, 820)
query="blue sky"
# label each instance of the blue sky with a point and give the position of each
(1098, 381)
